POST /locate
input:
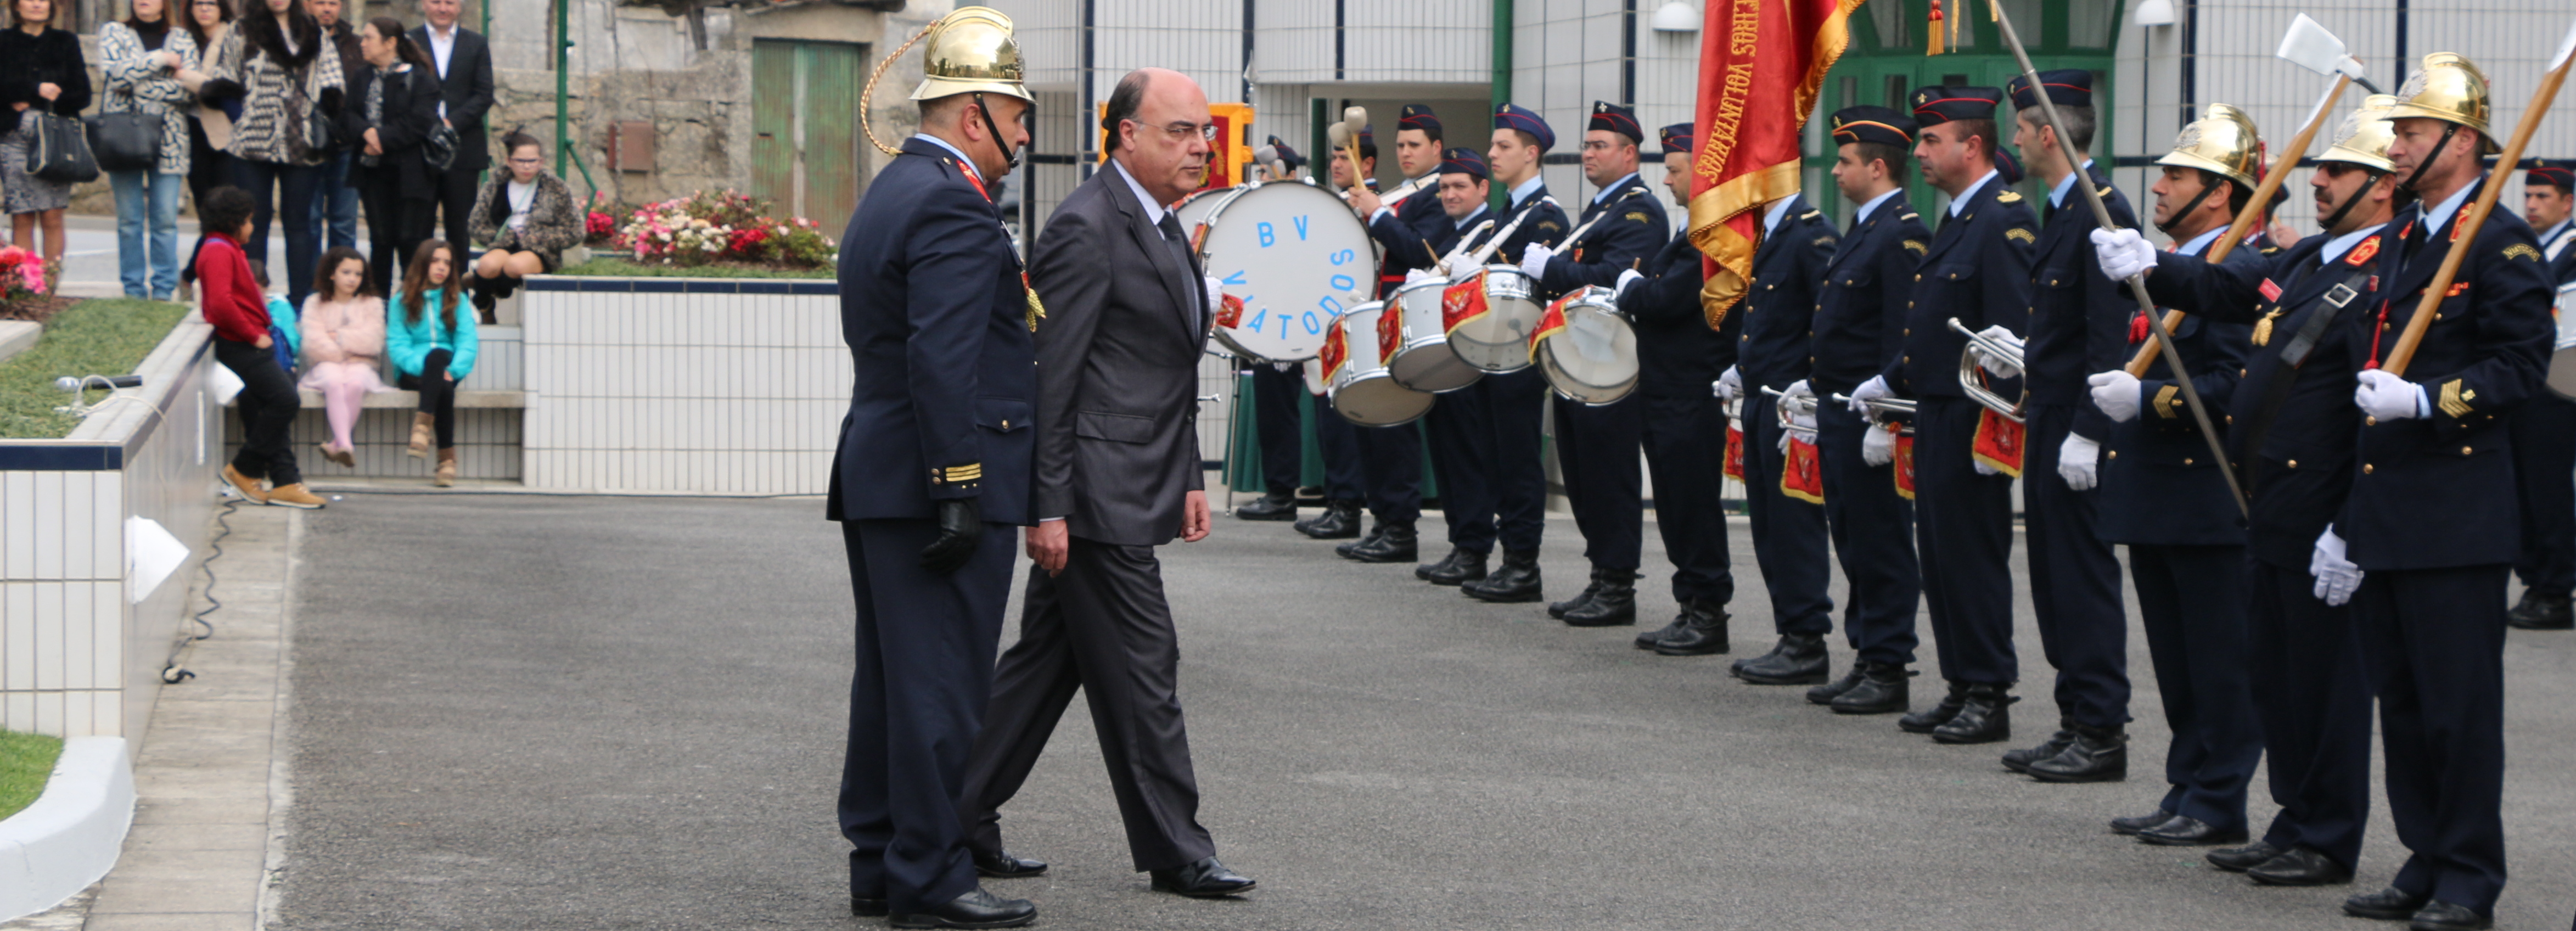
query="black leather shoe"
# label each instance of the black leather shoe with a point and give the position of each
(1703, 630)
(1395, 542)
(1826, 693)
(1882, 690)
(2019, 760)
(1653, 638)
(1340, 521)
(1985, 718)
(2098, 754)
(1459, 568)
(1924, 721)
(2541, 612)
(1277, 505)
(2438, 915)
(2300, 866)
(2185, 831)
(1614, 605)
(1557, 609)
(2132, 825)
(999, 864)
(2240, 859)
(1376, 530)
(1517, 581)
(2388, 904)
(1737, 668)
(1201, 880)
(863, 907)
(1800, 660)
(975, 909)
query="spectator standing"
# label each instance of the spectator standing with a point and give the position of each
(432, 342)
(41, 71)
(335, 198)
(344, 340)
(238, 311)
(464, 64)
(289, 80)
(393, 113)
(148, 65)
(525, 218)
(210, 124)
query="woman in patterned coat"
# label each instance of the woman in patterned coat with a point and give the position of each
(149, 68)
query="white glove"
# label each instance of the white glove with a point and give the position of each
(2389, 397)
(1998, 367)
(1626, 278)
(2337, 577)
(2117, 393)
(1730, 386)
(1215, 293)
(1534, 260)
(2123, 252)
(1878, 446)
(1871, 390)
(2079, 462)
(1417, 275)
(1984, 469)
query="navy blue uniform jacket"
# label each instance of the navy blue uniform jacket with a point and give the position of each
(2437, 492)
(1977, 270)
(1677, 354)
(1408, 235)
(1779, 311)
(1544, 223)
(1862, 297)
(1630, 230)
(933, 310)
(2161, 486)
(2079, 317)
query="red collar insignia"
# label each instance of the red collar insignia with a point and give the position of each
(2362, 253)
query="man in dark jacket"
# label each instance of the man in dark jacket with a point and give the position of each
(464, 62)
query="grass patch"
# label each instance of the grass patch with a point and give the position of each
(102, 336)
(25, 761)
(608, 267)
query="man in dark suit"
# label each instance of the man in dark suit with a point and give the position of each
(464, 62)
(1517, 401)
(1976, 271)
(1118, 475)
(936, 461)
(2544, 432)
(1597, 447)
(1860, 331)
(1775, 351)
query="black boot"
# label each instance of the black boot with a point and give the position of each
(1703, 630)
(2019, 760)
(1647, 640)
(1395, 542)
(1376, 529)
(1340, 521)
(480, 290)
(2541, 612)
(1516, 581)
(1557, 609)
(1277, 505)
(1986, 716)
(1826, 693)
(1800, 660)
(1924, 721)
(1461, 567)
(1882, 690)
(1737, 668)
(2099, 754)
(1614, 605)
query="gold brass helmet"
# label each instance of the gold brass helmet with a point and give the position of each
(2448, 88)
(2364, 136)
(2223, 140)
(968, 51)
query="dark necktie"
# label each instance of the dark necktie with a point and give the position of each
(1179, 243)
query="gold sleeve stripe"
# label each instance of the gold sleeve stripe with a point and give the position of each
(2453, 403)
(964, 473)
(2168, 401)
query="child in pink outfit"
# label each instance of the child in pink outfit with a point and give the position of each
(344, 341)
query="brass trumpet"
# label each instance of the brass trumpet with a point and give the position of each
(1972, 377)
(1792, 405)
(1880, 409)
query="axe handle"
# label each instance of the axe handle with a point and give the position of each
(2470, 221)
(2254, 209)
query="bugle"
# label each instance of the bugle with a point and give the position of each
(1972, 377)
(1880, 410)
(1791, 405)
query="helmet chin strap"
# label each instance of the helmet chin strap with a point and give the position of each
(2336, 218)
(2449, 129)
(2175, 218)
(984, 110)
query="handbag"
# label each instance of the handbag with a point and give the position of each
(61, 150)
(127, 140)
(440, 148)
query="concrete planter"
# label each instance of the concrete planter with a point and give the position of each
(71, 836)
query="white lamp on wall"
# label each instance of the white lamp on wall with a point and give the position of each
(1680, 16)
(2153, 13)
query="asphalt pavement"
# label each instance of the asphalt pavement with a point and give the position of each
(516, 711)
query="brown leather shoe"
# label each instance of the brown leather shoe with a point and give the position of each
(423, 432)
(345, 457)
(248, 486)
(295, 496)
(445, 477)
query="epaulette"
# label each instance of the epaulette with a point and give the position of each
(1810, 215)
(2008, 197)
(1910, 216)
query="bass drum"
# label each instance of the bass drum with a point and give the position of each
(1591, 355)
(1195, 209)
(2562, 363)
(1426, 361)
(1495, 339)
(1297, 259)
(1364, 392)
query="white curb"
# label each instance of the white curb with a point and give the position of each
(71, 836)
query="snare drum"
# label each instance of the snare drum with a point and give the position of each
(1426, 361)
(1489, 325)
(1587, 349)
(2562, 362)
(1364, 392)
(1296, 257)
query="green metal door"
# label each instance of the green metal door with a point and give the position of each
(805, 116)
(773, 122)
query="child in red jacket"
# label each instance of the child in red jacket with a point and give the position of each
(232, 302)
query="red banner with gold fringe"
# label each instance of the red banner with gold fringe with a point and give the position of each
(1761, 63)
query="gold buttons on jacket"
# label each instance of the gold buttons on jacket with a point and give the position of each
(2370, 421)
(1918, 277)
(2366, 469)
(2186, 460)
(2294, 463)
(2114, 454)
(2464, 450)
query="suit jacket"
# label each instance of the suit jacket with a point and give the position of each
(1118, 357)
(1776, 348)
(2079, 317)
(411, 111)
(1630, 229)
(1408, 234)
(2303, 470)
(1977, 270)
(468, 88)
(2160, 483)
(2438, 491)
(1678, 355)
(1862, 297)
(942, 405)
